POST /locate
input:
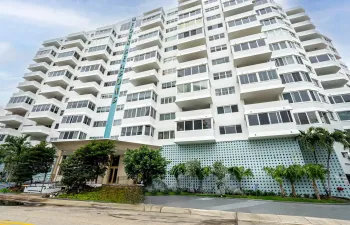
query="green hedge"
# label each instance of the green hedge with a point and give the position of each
(115, 194)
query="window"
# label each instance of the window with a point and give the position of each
(281, 45)
(81, 104)
(140, 112)
(338, 99)
(195, 86)
(153, 17)
(168, 100)
(2, 137)
(190, 33)
(141, 96)
(270, 118)
(301, 96)
(218, 48)
(100, 48)
(123, 93)
(233, 2)
(241, 21)
(172, 38)
(172, 13)
(60, 73)
(100, 124)
(171, 29)
(192, 70)
(249, 45)
(220, 61)
(344, 115)
(222, 75)
(233, 129)
(262, 75)
(201, 124)
(271, 21)
(225, 91)
(20, 99)
(72, 135)
(103, 109)
(119, 107)
(209, 18)
(264, 11)
(321, 58)
(217, 37)
(306, 118)
(166, 135)
(287, 60)
(138, 130)
(227, 109)
(191, 13)
(169, 71)
(172, 48)
(190, 23)
(117, 123)
(167, 116)
(209, 1)
(45, 107)
(278, 32)
(169, 85)
(295, 77)
(212, 8)
(171, 21)
(170, 59)
(213, 27)
(149, 35)
(146, 56)
(109, 84)
(76, 119)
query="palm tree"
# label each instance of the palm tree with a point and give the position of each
(294, 173)
(309, 140)
(194, 169)
(277, 174)
(219, 171)
(11, 150)
(239, 172)
(176, 171)
(315, 172)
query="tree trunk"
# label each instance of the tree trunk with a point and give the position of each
(240, 185)
(42, 185)
(293, 191)
(329, 175)
(314, 185)
(283, 193)
(315, 157)
(323, 184)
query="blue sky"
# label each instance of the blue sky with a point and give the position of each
(25, 24)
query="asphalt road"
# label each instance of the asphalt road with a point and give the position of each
(48, 215)
(332, 211)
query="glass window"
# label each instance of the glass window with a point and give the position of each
(264, 119)
(253, 120)
(197, 124)
(188, 125)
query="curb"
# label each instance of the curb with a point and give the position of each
(243, 218)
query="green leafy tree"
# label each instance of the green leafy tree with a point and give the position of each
(145, 165)
(239, 173)
(87, 163)
(11, 154)
(195, 170)
(315, 172)
(277, 174)
(176, 171)
(219, 171)
(294, 173)
(41, 158)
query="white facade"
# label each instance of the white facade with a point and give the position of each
(221, 71)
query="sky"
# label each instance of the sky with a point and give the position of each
(25, 24)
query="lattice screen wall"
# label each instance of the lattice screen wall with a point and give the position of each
(255, 155)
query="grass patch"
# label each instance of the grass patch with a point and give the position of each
(273, 198)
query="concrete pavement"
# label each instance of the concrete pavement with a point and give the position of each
(47, 211)
(334, 211)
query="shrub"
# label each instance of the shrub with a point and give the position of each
(166, 191)
(178, 191)
(306, 195)
(5, 190)
(154, 191)
(116, 194)
(271, 193)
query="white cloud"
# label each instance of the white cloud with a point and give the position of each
(7, 53)
(42, 14)
(288, 3)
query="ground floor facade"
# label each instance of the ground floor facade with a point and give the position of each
(253, 154)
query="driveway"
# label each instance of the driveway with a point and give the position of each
(333, 211)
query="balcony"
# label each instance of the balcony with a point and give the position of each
(314, 44)
(87, 88)
(103, 54)
(143, 78)
(196, 134)
(309, 35)
(193, 98)
(327, 67)
(156, 22)
(192, 41)
(12, 121)
(34, 76)
(331, 81)
(32, 86)
(58, 81)
(245, 29)
(303, 26)
(74, 44)
(46, 55)
(277, 130)
(94, 75)
(260, 91)
(74, 127)
(185, 4)
(232, 7)
(39, 67)
(68, 58)
(54, 42)
(190, 54)
(299, 17)
(153, 62)
(10, 132)
(250, 56)
(150, 41)
(44, 117)
(20, 108)
(36, 131)
(53, 92)
(294, 11)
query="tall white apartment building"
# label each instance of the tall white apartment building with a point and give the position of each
(212, 80)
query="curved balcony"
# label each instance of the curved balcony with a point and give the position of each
(192, 41)
(331, 81)
(190, 54)
(303, 26)
(70, 59)
(87, 88)
(233, 7)
(37, 131)
(48, 56)
(53, 42)
(45, 117)
(143, 78)
(299, 17)
(53, 92)
(32, 86)
(185, 4)
(39, 67)
(34, 76)
(245, 29)
(12, 121)
(158, 22)
(73, 44)
(10, 132)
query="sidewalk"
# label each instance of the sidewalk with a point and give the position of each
(239, 218)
